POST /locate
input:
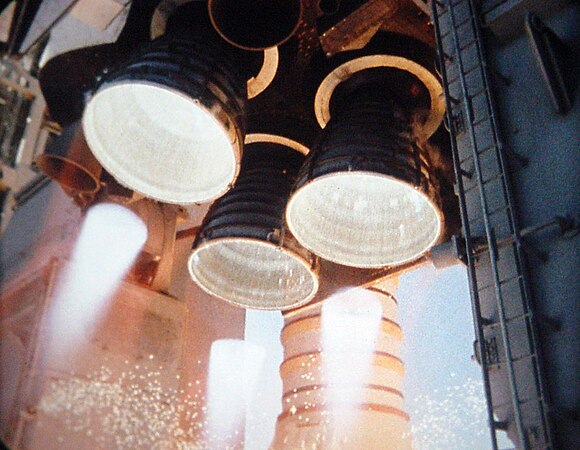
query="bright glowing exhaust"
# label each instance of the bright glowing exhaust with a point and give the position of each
(350, 327)
(234, 368)
(109, 241)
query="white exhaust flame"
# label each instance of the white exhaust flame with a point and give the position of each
(234, 369)
(350, 327)
(109, 241)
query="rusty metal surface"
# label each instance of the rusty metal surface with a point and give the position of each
(411, 22)
(355, 31)
(423, 5)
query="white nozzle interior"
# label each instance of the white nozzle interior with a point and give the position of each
(363, 219)
(160, 142)
(252, 274)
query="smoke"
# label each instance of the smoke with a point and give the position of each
(109, 241)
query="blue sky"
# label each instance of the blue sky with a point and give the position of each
(443, 388)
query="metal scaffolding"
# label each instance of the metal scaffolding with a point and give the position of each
(506, 337)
